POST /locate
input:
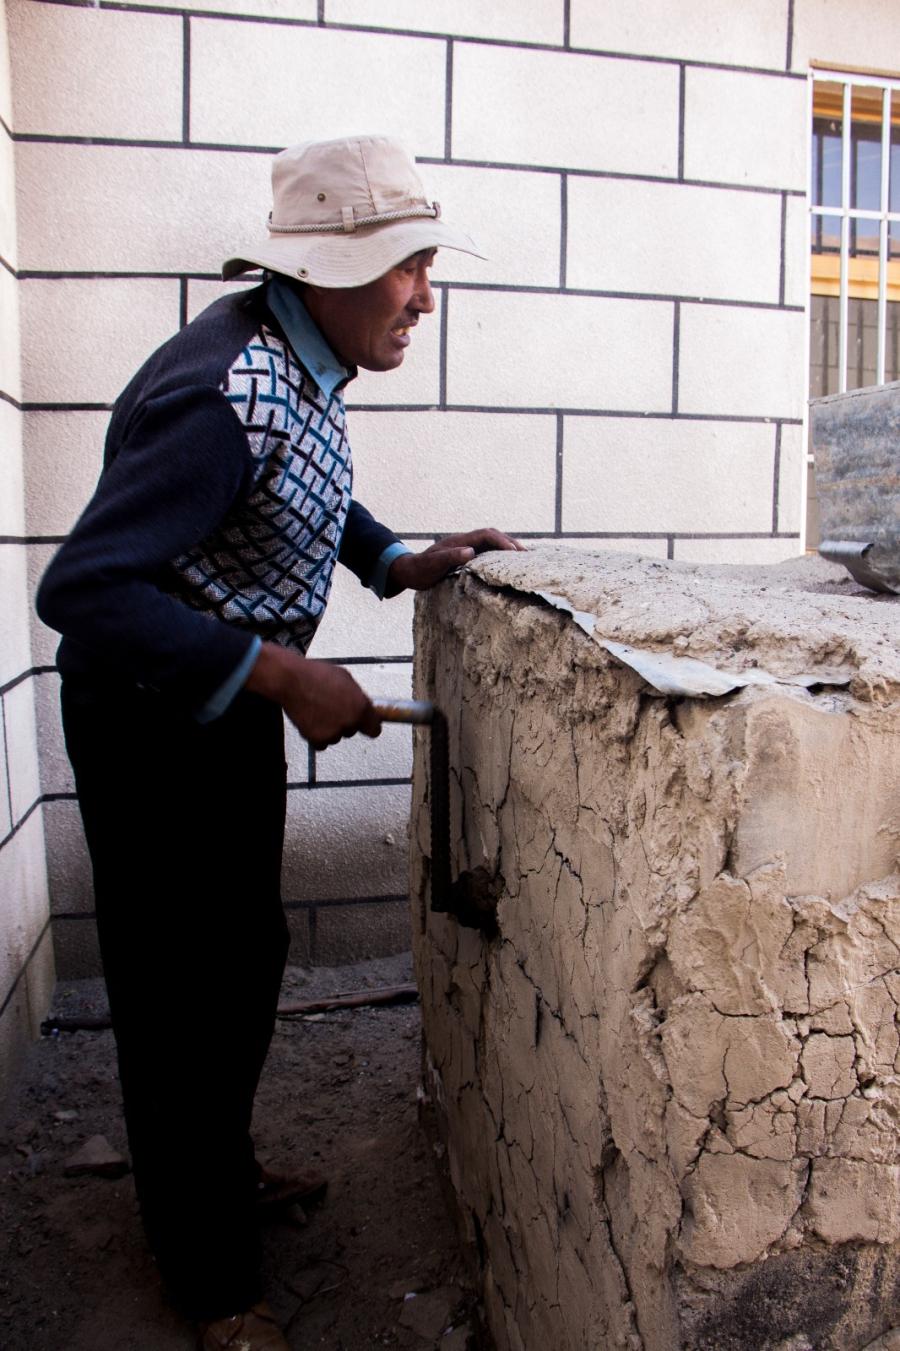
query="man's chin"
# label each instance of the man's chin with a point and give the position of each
(388, 362)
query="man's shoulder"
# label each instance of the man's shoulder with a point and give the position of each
(203, 351)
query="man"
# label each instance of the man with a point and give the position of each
(187, 596)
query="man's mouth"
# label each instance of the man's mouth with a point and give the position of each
(401, 331)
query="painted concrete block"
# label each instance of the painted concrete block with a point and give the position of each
(138, 209)
(68, 862)
(844, 34)
(10, 337)
(300, 952)
(201, 293)
(742, 128)
(55, 770)
(296, 753)
(100, 73)
(5, 73)
(680, 1013)
(578, 112)
(416, 381)
(526, 20)
(44, 641)
(344, 842)
(796, 252)
(388, 756)
(644, 548)
(350, 933)
(513, 217)
(292, 74)
(12, 479)
(84, 339)
(21, 748)
(626, 474)
(63, 458)
(76, 948)
(454, 471)
(15, 655)
(753, 34)
(6, 820)
(8, 241)
(23, 899)
(792, 479)
(737, 551)
(27, 1007)
(559, 351)
(358, 624)
(743, 362)
(304, 10)
(673, 239)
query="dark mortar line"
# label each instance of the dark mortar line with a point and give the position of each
(315, 784)
(676, 354)
(442, 349)
(186, 79)
(782, 260)
(9, 801)
(20, 823)
(389, 898)
(789, 55)
(558, 501)
(682, 87)
(229, 147)
(448, 101)
(563, 230)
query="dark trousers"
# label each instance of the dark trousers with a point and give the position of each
(185, 827)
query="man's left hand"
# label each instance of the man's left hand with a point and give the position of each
(418, 572)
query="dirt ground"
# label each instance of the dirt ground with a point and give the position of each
(339, 1089)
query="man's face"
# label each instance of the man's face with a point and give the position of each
(369, 325)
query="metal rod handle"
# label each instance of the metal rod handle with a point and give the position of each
(420, 711)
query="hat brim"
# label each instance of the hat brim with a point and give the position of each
(345, 260)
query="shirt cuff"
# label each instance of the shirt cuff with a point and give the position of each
(217, 703)
(378, 581)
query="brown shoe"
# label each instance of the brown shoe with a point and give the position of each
(277, 1190)
(254, 1330)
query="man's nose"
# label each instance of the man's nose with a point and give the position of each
(423, 297)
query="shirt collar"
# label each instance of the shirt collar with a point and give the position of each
(286, 304)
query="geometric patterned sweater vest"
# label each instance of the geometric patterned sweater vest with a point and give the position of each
(269, 564)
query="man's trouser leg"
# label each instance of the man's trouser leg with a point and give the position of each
(185, 826)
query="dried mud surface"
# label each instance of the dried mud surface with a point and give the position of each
(669, 1070)
(787, 617)
(339, 1089)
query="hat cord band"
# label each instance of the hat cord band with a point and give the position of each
(349, 225)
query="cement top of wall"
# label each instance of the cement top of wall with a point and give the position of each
(805, 615)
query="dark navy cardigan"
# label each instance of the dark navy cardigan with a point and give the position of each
(177, 464)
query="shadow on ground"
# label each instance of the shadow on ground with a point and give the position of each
(339, 1090)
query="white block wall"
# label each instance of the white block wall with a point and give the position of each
(26, 952)
(628, 366)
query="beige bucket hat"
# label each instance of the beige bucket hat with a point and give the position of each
(345, 212)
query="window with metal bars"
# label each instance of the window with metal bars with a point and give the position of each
(854, 236)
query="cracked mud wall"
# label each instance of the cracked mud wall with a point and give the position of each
(668, 1082)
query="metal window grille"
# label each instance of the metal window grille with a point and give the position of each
(855, 228)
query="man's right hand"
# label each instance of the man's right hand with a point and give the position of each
(323, 701)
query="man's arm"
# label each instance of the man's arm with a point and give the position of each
(179, 470)
(323, 701)
(174, 479)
